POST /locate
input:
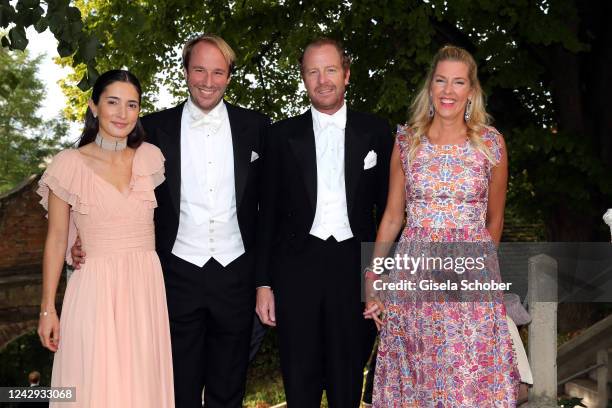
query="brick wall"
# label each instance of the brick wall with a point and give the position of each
(23, 228)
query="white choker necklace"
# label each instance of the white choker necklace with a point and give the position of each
(112, 146)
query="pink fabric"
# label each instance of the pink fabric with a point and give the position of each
(114, 331)
(445, 354)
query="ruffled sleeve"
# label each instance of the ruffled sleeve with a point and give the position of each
(493, 140)
(67, 179)
(148, 173)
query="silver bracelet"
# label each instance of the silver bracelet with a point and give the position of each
(47, 313)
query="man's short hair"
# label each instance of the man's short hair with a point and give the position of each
(34, 377)
(346, 60)
(226, 50)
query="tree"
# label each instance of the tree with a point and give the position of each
(63, 20)
(25, 139)
(543, 64)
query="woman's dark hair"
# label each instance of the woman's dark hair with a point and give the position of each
(137, 135)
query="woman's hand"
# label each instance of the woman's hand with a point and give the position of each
(53, 263)
(48, 330)
(375, 309)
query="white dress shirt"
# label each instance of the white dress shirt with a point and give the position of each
(331, 215)
(208, 223)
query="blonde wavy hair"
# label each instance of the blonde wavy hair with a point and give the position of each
(420, 121)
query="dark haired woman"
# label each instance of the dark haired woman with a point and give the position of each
(115, 339)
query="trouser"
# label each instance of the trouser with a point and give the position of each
(324, 340)
(211, 318)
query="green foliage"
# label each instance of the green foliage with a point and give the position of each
(25, 139)
(63, 20)
(556, 165)
(264, 386)
(538, 63)
(391, 44)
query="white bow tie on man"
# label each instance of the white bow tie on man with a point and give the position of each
(332, 120)
(212, 121)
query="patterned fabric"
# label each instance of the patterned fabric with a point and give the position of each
(441, 353)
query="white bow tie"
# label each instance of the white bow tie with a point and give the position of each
(207, 121)
(329, 120)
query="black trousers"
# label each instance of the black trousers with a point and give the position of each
(211, 318)
(324, 341)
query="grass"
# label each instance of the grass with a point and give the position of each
(264, 386)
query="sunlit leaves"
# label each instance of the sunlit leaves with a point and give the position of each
(63, 20)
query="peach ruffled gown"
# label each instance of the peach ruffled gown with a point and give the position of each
(114, 331)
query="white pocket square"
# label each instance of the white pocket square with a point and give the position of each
(370, 160)
(254, 156)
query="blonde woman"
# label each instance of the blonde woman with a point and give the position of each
(448, 181)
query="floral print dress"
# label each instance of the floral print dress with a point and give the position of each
(434, 352)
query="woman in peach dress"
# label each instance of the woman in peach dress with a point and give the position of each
(112, 342)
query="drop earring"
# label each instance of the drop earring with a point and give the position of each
(468, 110)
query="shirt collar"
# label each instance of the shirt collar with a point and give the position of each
(196, 113)
(322, 120)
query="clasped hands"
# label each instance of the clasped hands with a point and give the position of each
(374, 307)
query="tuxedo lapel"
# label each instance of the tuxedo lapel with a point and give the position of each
(302, 143)
(242, 151)
(170, 144)
(355, 150)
